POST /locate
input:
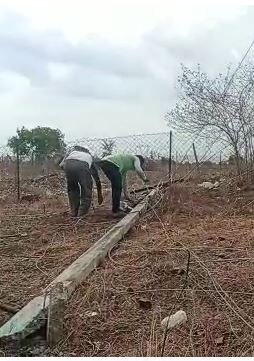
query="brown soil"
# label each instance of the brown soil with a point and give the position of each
(142, 281)
(139, 284)
(39, 239)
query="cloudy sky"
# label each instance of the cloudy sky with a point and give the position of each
(109, 67)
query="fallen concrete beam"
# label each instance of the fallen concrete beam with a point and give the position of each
(56, 311)
(33, 316)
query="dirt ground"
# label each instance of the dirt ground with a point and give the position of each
(118, 311)
(36, 246)
(38, 239)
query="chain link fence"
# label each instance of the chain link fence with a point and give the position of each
(170, 154)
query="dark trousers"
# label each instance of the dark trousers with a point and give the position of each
(115, 177)
(79, 186)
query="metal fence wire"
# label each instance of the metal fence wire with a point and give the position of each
(154, 146)
(149, 145)
(168, 150)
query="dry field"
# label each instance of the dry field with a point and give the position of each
(118, 311)
(38, 239)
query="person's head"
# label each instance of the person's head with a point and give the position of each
(142, 160)
(78, 148)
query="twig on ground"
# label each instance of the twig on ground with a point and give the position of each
(9, 308)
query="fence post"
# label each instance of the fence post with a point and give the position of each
(18, 172)
(220, 165)
(170, 157)
(195, 155)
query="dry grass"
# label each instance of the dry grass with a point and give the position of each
(140, 281)
(149, 266)
(38, 239)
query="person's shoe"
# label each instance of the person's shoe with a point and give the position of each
(119, 214)
(125, 207)
(74, 214)
(82, 214)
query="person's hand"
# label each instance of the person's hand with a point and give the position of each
(100, 198)
(61, 165)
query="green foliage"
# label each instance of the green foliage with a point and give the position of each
(38, 142)
(20, 141)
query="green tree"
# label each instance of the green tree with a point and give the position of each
(46, 141)
(21, 141)
(38, 142)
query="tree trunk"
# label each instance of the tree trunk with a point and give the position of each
(237, 159)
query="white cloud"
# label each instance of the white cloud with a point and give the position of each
(108, 68)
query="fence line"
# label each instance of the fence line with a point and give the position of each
(170, 152)
(152, 145)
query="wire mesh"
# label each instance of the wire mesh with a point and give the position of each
(155, 147)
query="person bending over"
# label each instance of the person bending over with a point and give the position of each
(116, 168)
(79, 170)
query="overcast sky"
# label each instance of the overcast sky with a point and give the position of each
(108, 68)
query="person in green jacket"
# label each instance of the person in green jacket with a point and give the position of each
(116, 168)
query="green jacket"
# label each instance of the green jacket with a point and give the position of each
(126, 163)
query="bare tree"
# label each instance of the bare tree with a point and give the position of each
(108, 146)
(220, 108)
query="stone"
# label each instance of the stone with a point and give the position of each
(174, 320)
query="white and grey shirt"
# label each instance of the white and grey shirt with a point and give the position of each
(76, 155)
